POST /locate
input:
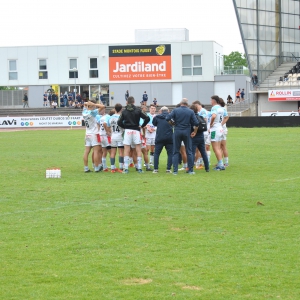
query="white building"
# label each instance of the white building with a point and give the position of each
(167, 71)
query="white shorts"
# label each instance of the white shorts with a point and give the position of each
(207, 138)
(143, 144)
(216, 135)
(105, 141)
(92, 140)
(117, 143)
(132, 137)
(225, 131)
(150, 141)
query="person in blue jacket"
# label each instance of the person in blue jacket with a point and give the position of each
(183, 118)
(164, 138)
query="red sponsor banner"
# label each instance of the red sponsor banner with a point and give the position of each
(284, 95)
(140, 68)
(144, 62)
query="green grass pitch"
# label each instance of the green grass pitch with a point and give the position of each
(150, 236)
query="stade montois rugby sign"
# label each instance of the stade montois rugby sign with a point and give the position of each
(144, 62)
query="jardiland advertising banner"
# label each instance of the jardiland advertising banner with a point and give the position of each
(144, 62)
(41, 121)
(284, 95)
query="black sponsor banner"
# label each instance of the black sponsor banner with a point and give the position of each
(250, 122)
(140, 50)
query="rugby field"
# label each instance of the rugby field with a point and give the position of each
(220, 235)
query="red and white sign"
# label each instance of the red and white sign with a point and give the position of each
(284, 95)
(143, 62)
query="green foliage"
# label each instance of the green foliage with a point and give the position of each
(235, 59)
(149, 236)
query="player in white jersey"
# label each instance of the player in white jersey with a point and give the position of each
(151, 133)
(116, 139)
(225, 131)
(92, 137)
(143, 142)
(216, 131)
(104, 131)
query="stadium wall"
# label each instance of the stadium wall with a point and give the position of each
(250, 122)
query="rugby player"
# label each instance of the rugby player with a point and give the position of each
(216, 131)
(151, 133)
(102, 120)
(130, 121)
(92, 137)
(116, 140)
(225, 131)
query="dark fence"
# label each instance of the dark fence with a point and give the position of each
(249, 122)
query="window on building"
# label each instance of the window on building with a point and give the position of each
(191, 65)
(12, 66)
(73, 71)
(43, 73)
(93, 68)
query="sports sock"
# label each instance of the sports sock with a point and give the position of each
(86, 168)
(220, 163)
(112, 161)
(151, 157)
(208, 156)
(139, 164)
(185, 165)
(121, 162)
(201, 161)
(126, 162)
(130, 160)
(225, 160)
(104, 163)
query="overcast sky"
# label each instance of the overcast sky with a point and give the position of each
(61, 22)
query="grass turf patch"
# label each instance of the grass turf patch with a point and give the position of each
(149, 236)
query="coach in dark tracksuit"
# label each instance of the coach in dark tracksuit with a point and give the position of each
(164, 138)
(183, 118)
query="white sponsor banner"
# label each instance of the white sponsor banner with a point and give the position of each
(40, 121)
(279, 113)
(284, 95)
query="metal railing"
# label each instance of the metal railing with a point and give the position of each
(277, 85)
(239, 106)
(234, 70)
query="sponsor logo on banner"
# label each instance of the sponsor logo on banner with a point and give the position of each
(144, 62)
(42, 121)
(8, 122)
(279, 114)
(284, 95)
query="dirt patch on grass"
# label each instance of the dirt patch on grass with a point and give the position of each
(176, 229)
(136, 281)
(192, 287)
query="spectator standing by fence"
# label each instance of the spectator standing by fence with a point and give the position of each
(242, 95)
(254, 80)
(25, 101)
(45, 96)
(126, 95)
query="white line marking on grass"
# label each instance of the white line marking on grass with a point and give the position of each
(287, 179)
(109, 202)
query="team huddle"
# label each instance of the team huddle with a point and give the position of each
(133, 133)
